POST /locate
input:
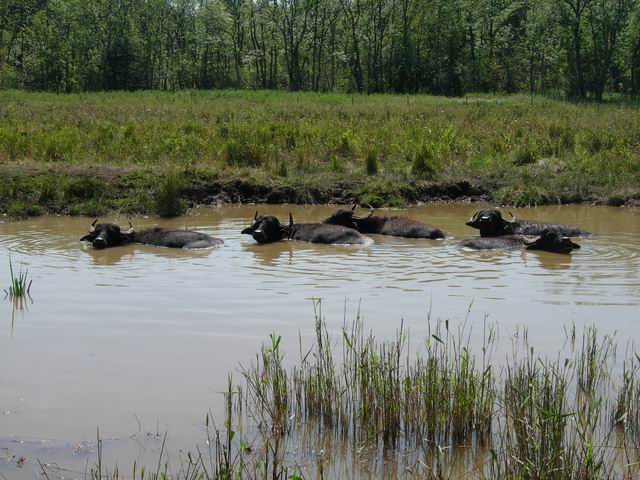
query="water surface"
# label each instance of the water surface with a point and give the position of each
(141, 339)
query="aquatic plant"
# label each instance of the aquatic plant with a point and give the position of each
(20, 285)
(354, 405)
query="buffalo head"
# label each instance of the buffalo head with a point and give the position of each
(104, 235)
(551, 241)
(347, 217)
(490, 223)
(268, 229)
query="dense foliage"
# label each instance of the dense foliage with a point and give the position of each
(579, 48)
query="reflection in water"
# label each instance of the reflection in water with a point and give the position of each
(549, 260)
(19, 305)
(137, 319)
(127, 253)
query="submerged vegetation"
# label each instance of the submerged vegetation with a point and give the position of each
(354, 406)
(155, 152)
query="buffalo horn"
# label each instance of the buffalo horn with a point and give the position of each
(130, 231)
(513, 218)
(529, 240)
(474, 217)
(92, 228)
(365, 217)
(354, 206)
(290, 228)
(255, 217)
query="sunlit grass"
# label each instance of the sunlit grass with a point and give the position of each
(516, 151)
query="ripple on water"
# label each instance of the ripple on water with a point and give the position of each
(101, 320)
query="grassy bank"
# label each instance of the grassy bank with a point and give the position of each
(144, 152)
(355, 407)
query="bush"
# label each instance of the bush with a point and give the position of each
(281, 169)
(372, 163)
(168, 202)
(524, 155)
(22, 209)
(345, 145)
(243, 151)
(422, 163)
(84, 188)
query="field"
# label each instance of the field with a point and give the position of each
(163, 152)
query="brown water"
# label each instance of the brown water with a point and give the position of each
(141, 339)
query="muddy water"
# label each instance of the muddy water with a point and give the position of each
(141, 339)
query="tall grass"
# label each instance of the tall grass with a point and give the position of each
(168, 200)
(557, 149)
(20, 286)
(354, 407)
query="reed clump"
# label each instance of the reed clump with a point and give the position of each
(20, 284)
(353, 405)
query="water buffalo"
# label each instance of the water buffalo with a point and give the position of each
(383, 225)
(549, 240)
(491, 224)
(104, 235)
(268, 229)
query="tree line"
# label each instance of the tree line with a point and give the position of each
(578, 48)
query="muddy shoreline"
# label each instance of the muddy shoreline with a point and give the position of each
(30, 192)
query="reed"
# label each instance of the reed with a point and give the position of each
(354, 406)
(20, 286)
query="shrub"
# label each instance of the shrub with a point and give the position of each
(243, 151)
(167, 198)
(524, 155)
(372, 163)
(422, 163)
(23, 209)
(281, 169)
(345, 145)
(84, 188)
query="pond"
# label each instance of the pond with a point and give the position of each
(142, 339)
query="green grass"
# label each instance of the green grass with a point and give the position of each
(511, 150)
(20, 285)
(168, 201)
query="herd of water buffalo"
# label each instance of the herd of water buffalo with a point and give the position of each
(344, 227)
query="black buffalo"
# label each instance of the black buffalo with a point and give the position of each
(491, 224)
(268, 229)
(383, 225)
(105, 235)
(549, 240)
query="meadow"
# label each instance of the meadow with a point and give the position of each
(161, 152)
